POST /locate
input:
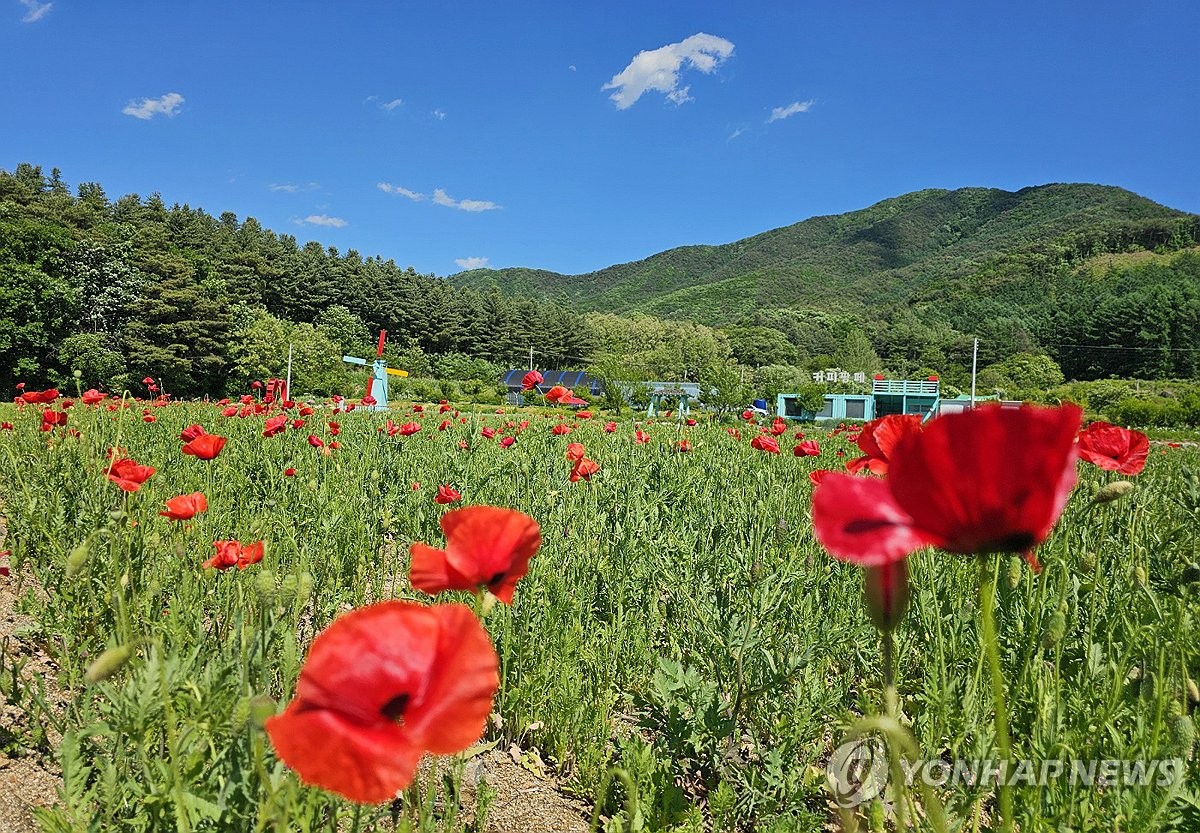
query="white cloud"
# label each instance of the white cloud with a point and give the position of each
(292, 188)
(439, 115)
(791, 110)
(322, 220)
(36, 10)
(571, 67)
(392, 105)
(440, 197)
(658, 69)
(147, 108)
(735, 134)
(471, 262)
(389, 188)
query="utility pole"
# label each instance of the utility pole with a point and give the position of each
(531, 357)
(289, 373)
(974, 364)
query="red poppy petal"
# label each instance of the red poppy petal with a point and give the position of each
(430, 573)
(458, 699)
(365, 763)
(491, 543)
(857, 520)
(988, 480)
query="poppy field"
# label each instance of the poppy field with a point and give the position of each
(276, 616)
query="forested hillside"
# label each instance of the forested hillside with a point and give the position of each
(124, 289)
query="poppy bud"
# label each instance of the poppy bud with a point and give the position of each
(1191, 573)
(107, 664)
(78, 557)
(304, 587)
(1193, 691)
(287, 590)
(261, 708)
(886, 591)
(1139, 576)
(1183, 735)
(240, 714)
(1015, 571)
(1055, 630)
(266, 586)
(1113, 491)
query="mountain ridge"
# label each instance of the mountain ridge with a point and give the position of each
(882, 253)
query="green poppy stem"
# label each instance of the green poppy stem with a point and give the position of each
(991, 648)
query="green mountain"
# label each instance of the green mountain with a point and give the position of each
(895, 250)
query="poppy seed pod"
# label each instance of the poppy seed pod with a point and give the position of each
(107, 664)
(886, 590)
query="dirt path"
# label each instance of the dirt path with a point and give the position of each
(28, 777)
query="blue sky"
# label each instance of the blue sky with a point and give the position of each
(571, 136)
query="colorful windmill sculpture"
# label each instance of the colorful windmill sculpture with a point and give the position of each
(377, 384)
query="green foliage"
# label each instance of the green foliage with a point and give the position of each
(98, 365)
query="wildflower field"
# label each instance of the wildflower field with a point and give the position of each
(682, 654)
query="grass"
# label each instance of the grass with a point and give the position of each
(680, 623)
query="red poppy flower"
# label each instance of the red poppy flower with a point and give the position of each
(205, 447)
(778, 427)
(488, 432)
(418, 409)
(817, 475)
(128, 475)
(297, 424)
(691, 422)
(190, 433)
(583, 415)
(306, 411)
(367, 401)
(44, 397)
(1114, 448)
(486, 546)
(808, 448)
(53, 419)
(584, 469)
(446, 494)
(575, 452)
(235, 554)
(879, 437)
(985, 481)
(6, 426)
(409, 428)
(315, 441)
(640, 437)
(381, 686)
(561, 429)
(256, 385)
(748, 415)
(610, 427)
(886, 590)
(506, 442)
(764, 442)
(275, 425)
(558, 393)
(93, 396)
(289, 472)
(733, 432)
(185, 507)
(444, 424)
(684, 445)
(530, 380)
(229, 411)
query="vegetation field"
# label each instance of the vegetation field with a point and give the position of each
(682, 651)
